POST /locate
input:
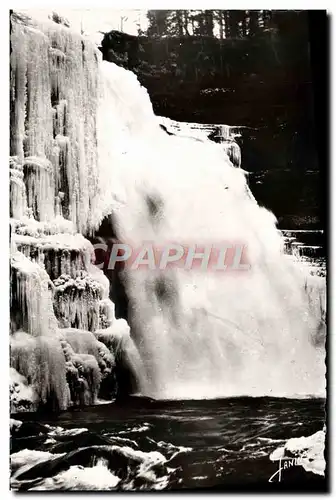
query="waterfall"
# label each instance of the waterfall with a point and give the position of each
(205, 335)
(85, 144)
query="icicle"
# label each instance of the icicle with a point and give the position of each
(88, 363)
(54, 75)
(59, 254)
(61, 118)
(84, 342)
(118, 340)
(39, 181)
(31, 299)
(106, 313)
(116, 335)
(18, 203)
(18, 89)
(76, 301)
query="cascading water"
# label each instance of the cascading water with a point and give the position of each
(205, 335)
(85, 130)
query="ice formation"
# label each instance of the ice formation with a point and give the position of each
(85, 144)
(205, 335)
(31, 299)
(60, 254)
(22, 395)
(54, 181)
(53, 79)
(77, 301)
(41, 361)
(17, 194)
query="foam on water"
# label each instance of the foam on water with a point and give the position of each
(81, 478)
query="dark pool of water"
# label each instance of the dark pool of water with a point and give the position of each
(207, 444)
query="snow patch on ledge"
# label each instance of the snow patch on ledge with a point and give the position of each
(56, 242)
(28, 226)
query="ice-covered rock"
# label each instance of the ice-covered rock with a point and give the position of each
(106, 313)
(57, 253)
(17, 197)
(22, 396)
(77, 301)
(53, 75)
(31, 297)
(40, 360)
(84, 342)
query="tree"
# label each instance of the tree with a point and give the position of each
(230, 23)
(219, 16)
(253, 22)
(185, 16)
(175, 23)
(204, 19)
(157, 22)
(208, 22)
(227, 24)
(234, 20)
(179, 22)
(245, 24)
